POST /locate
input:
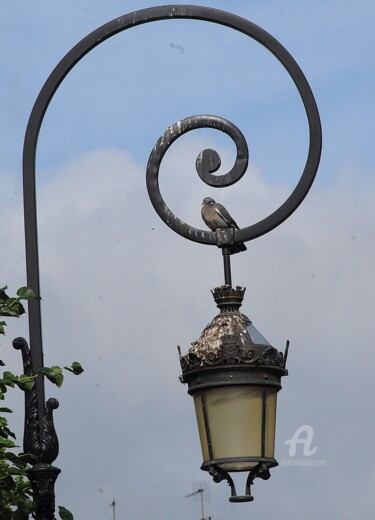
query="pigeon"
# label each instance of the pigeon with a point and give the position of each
(216, 216)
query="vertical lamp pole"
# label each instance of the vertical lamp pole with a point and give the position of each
(254, 368)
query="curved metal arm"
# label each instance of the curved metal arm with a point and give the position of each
(168, 12)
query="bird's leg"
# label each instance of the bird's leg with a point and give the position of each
(227, 270)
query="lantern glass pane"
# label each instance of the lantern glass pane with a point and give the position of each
(201, 424)
(271, 421)
(256, 337)
(234, 417)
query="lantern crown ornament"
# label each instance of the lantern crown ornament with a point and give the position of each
(234, 374)
(231, 338)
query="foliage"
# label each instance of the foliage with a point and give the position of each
(12, 307)
(15, 491)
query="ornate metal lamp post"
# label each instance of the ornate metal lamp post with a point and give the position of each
(231, 371)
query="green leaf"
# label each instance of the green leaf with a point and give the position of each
(7, 483)
(6, 443)
(12, 307)
(53, 374)
(44, 370)
(59, 379)
(11, 456)
(59, 376)
(8, 379)
(21, 460)
(56, 369)
(25, 382)
(5, 431)
(5, 410)
(65, 514)
(3, 294)
(25, 509)
(25, 293)
(15, 471)
(3, 388)
(2, 327)
(75, 368)
(8, 376)
(13, 310)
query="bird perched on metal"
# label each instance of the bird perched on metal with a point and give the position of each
(216, 216)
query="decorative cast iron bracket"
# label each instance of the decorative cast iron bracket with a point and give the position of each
(39, 441)
(261, 470)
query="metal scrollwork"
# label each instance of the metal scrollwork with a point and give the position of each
(40, 438)
(255, 355)
(40, 441)
(260, 470)
(207, 163)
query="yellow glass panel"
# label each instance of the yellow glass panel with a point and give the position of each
(201, 425)
(235, 421)
(271, 422)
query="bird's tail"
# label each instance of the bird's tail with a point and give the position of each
(238, 248)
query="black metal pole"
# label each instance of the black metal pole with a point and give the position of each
(227, 268)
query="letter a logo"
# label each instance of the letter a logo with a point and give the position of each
(306, 440)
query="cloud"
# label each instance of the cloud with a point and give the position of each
(120, 291)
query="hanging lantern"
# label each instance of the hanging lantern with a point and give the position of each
(234, 374)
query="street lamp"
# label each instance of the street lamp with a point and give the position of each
(231, 371)
(234, 374)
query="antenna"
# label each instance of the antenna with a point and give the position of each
(113, 505)
(201, 491)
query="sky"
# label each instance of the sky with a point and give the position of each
(120, 290)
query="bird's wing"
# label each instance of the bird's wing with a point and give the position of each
(205, 212)
(223, 213)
